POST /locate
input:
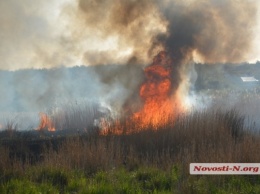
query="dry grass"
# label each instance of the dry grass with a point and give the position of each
(209, 136)
(77, 116)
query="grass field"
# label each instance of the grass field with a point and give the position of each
(151, 160)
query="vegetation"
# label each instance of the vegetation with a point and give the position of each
(151, 160)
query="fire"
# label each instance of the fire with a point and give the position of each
(45, 123)
(116, 128)
(156, 93)
(161, 100)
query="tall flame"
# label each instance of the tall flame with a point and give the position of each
(45, 123)
(161, 100)
(156, 93)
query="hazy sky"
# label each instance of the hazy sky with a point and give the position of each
(39, 34)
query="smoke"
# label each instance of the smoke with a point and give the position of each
(37, 90)
(40, 34)
(209, 31)
(24, 27)
(25, 93)
(217, 31)
(133, 25)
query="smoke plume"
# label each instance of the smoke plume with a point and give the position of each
(215, 31)
(40, 34)
(210, 31)
(86, 32)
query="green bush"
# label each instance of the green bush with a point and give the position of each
(15, 186)
(57, 178)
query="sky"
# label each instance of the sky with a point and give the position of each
(47, 34)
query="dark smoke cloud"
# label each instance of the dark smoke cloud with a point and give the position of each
(217, 30)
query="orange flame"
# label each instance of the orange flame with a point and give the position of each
(160, 102)
(156, 93)
(45, 123)
(116, 128)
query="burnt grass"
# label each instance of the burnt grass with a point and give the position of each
(205, 136)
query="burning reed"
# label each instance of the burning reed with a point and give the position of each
(210, 136)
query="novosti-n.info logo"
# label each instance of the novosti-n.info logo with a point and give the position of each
(224, 168)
